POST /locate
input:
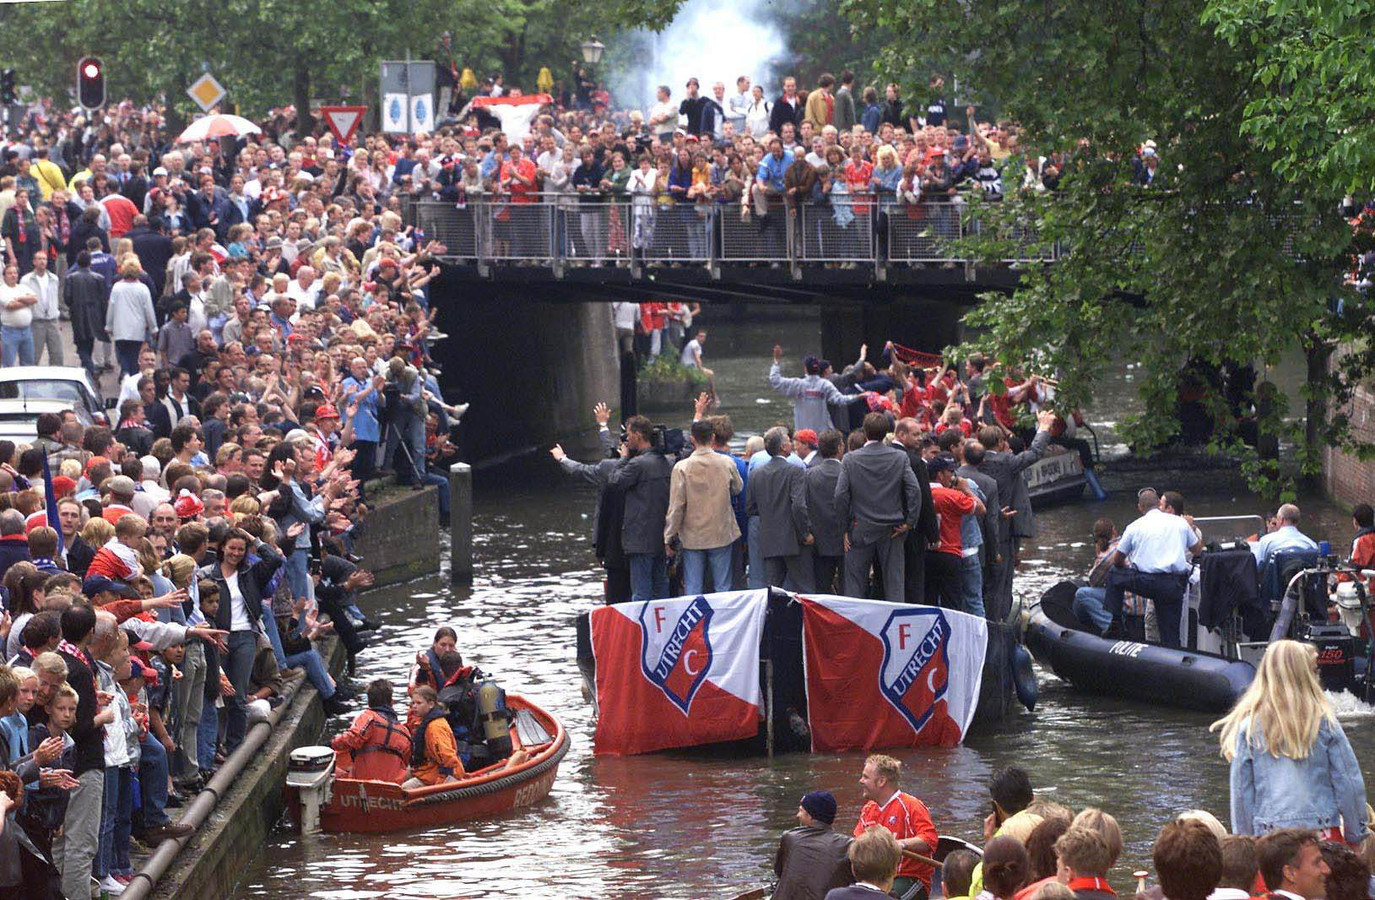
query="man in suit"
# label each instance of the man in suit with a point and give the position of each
(609, 505)
(828, 529)
(173, 406)
(874, 858)
(209, 208)
(927, 533)
(787, 108)
(878, 498)
(777, 495)
(1006, 468)
(153, 249)
(644, 479)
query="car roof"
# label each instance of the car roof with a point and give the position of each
(34, 406)
(50, 373)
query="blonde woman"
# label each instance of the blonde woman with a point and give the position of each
(1292, 766)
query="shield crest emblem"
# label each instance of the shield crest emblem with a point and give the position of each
(915, 672)
(675, 655)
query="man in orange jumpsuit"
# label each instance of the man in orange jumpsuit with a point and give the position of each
(376, 747)
(902, 814)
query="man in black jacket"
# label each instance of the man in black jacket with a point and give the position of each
(927, 532)
(153, 249)
(787, 108)
(85, 295)
(86, 635)
(811, 858)
(644, 479)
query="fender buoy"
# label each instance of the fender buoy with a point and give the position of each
(1023, 678)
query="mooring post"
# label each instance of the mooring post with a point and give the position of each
(461, 521)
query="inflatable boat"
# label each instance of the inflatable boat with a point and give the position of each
(1135, 670)
(316, 800)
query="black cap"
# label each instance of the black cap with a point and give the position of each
(942, 462)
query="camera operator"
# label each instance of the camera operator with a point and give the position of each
(644, 479)
(405, 414)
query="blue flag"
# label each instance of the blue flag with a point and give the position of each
(50, 507)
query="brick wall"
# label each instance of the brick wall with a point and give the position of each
(1347, 479)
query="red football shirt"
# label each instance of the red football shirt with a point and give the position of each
(951, 508)
(906, 817)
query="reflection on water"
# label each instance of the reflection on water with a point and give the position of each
(681, 826)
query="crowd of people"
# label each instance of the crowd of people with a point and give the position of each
(901, 480)
(258, 314)
(1300, 823)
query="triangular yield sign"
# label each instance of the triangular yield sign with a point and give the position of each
(343, 120)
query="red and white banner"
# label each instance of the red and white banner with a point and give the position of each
(885, 674)
(677, 673)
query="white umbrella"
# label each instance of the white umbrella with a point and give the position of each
(217, 126)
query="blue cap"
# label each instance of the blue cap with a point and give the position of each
(820, 805)
(943, 462)
(96, 584)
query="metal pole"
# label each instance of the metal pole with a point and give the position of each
(409, 127)
(768, 706)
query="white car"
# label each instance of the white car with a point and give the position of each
(19, 418)
(70, 385)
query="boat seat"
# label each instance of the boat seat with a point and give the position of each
(529, 729)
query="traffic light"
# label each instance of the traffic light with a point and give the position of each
(7, 92)
(90, 83)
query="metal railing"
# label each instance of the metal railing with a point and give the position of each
(843, 230)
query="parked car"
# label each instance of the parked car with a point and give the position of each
(68, 384)
(19, 418)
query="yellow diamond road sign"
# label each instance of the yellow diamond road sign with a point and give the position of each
(206, 92)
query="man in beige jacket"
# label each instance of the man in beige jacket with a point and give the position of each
(700, 514)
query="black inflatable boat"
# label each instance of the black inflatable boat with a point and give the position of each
(1135, 670)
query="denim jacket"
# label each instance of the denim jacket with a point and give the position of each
(1324, 790)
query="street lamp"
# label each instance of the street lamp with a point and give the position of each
(592, 50)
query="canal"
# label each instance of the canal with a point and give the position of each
(688, 827)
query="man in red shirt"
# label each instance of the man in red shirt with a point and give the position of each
(902, 814)
(953, 499)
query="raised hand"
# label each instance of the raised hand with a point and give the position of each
(602, 413)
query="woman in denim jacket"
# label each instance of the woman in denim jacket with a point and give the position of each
(1292, 766)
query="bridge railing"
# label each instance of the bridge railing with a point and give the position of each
(842, 231)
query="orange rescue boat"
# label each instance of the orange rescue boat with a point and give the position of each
(316, 799)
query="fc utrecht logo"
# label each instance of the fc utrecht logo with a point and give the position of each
(915, 671)
(675, 655)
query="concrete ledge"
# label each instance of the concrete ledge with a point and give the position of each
(401, 536)
(233, 836)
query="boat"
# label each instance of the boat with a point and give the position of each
(336, 804)
(1135, 670)
(1057, 477)
(1210, 673)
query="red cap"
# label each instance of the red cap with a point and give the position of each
(95, 461)
(35, 520)
(188, 506)
(806, 435)
(387, 261)
(297, 338)
(326, 411)
(62, 486)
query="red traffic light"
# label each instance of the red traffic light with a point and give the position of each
(90, 83)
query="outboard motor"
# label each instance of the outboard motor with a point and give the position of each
(310, 771)
(1336, 655)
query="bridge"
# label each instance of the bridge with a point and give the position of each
(837, 252)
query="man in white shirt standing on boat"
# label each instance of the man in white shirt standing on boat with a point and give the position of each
(1158, 546)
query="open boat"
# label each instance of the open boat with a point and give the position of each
(351, 805)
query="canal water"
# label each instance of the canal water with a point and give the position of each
(675, 826)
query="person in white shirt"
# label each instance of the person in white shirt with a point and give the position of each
(304, 290)
(1285, 537)
(625, 315)
(691, 358)
(739, 104)
(43, 284)
(1238, 868)
(1158, 546)
(16, 319)
(663, 116)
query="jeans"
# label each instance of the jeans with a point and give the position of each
(1088, 608)
(695, 564)
(648, 576)
(315, 671)
(127, 354)
(298, 576)
(442, 483)
(208, 732)
(238, 665)
(117, 812)
(152, 781)
(274, 637)
(972, 585)
(17, 345)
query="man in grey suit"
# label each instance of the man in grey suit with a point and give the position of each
(878, 498)
(645, 480)
(776, 493)
(1005, 468)
(828, 529)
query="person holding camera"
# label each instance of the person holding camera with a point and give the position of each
(645, 480)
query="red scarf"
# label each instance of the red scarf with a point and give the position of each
(19, 220)
(1091, 883)
(64, 223)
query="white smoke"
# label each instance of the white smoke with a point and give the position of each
(715, 40)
